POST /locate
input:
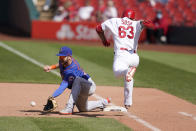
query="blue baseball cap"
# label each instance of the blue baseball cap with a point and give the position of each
(65, 51)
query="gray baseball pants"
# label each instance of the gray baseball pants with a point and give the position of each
(81, 90)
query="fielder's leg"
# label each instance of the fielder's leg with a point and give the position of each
(86, 90)
(75, 92)
(81, 89)
(91, 105)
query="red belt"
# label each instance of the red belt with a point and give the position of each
(134, 51)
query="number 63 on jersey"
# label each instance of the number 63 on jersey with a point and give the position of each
(126, 32)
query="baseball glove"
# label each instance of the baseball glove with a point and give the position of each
(50, 105)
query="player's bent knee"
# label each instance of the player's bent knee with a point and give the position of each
(130, 73)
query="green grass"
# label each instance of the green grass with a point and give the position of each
(60, 124)
(171, 72)
(184, 62)
(15, 69)
(169, 79)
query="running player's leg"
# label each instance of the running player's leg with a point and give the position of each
(133, 62)
(130, 73)
(119, 67)
(128, 91)
(128, 79)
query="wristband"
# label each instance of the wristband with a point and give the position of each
(53, 67)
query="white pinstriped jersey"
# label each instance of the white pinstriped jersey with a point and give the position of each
(126, 32)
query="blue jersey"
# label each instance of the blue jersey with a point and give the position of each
(70, 72)
(68, 75)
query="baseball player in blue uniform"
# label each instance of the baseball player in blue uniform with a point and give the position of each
(80, 83)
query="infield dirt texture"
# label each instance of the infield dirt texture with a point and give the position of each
(152, 109)
(160, 110)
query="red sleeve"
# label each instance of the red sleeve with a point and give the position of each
(99, 28)
(101, 34)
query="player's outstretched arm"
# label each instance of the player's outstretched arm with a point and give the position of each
(48, 68)
(100, 32)
(60, 90)
(146, 23)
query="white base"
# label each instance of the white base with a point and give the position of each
(115, 108)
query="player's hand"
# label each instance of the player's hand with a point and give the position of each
(147, 21)
(47, 68)
(106, 43)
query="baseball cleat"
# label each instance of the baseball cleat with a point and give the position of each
(105, 102)
(130, 73)
(66, 112)
(127, 106)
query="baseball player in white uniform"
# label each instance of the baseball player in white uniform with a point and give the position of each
(126, 32)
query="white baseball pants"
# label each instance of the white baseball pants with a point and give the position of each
(122, 61)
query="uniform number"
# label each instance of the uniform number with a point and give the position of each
(122, 32)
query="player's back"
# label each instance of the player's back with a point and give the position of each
(125, 31)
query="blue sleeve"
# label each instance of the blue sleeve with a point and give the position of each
(62, 87)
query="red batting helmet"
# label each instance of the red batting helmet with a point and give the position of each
(129, 13)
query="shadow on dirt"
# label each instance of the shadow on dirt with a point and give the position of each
(79, 114)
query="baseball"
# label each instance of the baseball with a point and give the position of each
(33, 103)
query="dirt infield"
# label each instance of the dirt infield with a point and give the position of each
(152, 109)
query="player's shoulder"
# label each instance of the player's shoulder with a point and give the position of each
(75, 63)
(126, 18)
(116, 18)
(112, 19)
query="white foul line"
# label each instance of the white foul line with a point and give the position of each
(136, 118)
(56, 73)
(188, 115)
